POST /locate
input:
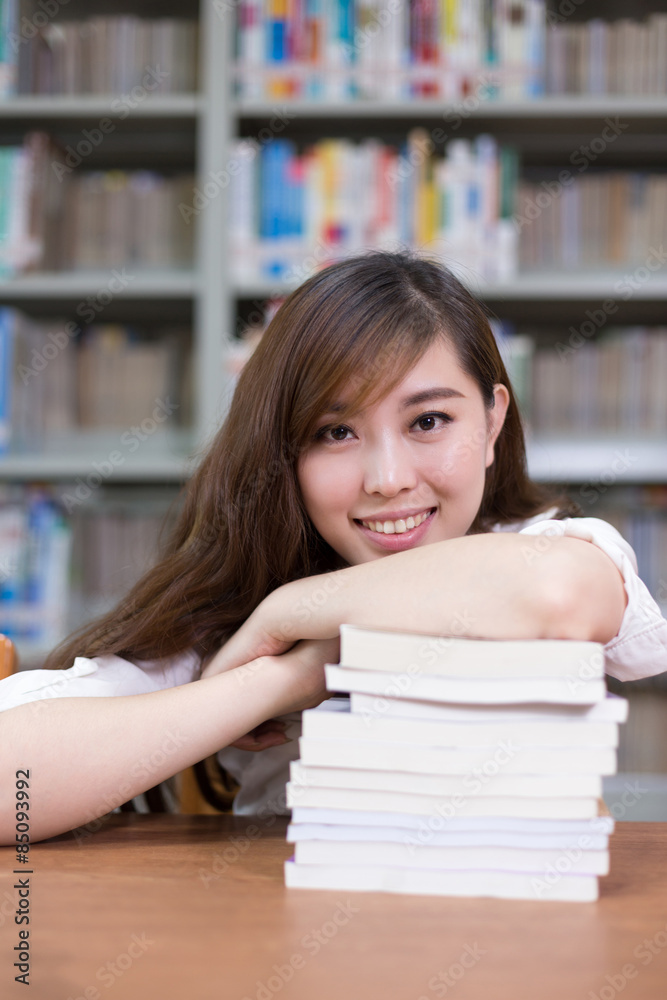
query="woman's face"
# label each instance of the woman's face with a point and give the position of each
(408, 471)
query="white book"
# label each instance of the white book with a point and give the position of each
(451, 656)
(376, 755)
(612, 709)
(323, 724)
(498, 885)
(494, 781)
(485, 691)
(528, 807)
(445, 838)
(603, 823)
(495, 858)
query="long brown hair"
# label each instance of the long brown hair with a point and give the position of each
(243, 530)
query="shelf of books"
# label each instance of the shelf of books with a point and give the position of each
(61, 107)
(169, 172)
(477, 104)
(110, 331)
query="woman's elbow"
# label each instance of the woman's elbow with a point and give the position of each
(584, 595)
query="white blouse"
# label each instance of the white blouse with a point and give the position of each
(639, 650)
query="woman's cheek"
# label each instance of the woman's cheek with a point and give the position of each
(329, 485)
(466, 453)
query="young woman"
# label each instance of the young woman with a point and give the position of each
(371, 470)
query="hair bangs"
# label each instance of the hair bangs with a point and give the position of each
(361, 364)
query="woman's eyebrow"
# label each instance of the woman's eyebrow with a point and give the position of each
(425, 396)
(428, 395)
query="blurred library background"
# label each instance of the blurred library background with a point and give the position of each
(169, 171)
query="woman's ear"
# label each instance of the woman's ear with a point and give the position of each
(496, 418)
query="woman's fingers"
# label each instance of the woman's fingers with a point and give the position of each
(267, 734)
(252, 640)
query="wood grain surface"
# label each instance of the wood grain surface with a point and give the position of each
(194, 908)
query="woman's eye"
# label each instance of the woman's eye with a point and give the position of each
(338, 433)
(332, 433)
(432, 421)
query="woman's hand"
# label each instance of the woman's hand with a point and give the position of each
(298, 610)
(303, 668)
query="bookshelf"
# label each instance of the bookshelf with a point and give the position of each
(197, 131)
(171, 131)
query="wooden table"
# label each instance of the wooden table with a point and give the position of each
(194, 907)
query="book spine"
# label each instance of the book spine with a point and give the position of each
(7, 331)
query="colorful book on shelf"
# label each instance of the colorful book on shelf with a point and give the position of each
(7, 332)
(9, 46)
(34, 569)
(347, 195)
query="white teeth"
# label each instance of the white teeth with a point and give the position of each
(396, 527)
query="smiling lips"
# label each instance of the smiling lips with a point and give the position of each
(399, 526)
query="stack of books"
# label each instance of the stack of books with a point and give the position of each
(457, 767)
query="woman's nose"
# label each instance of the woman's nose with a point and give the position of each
(389, 468)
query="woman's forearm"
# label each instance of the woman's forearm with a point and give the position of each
(499, 585)
(496, 585)
(86, 756)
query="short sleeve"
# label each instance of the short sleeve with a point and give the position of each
(640, 648)
(96, 677)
